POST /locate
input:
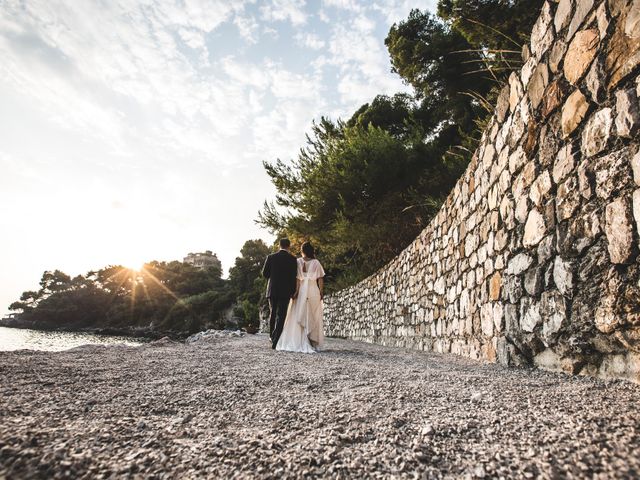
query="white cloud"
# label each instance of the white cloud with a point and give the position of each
(282, 10)
(247, 27)
(310, 40)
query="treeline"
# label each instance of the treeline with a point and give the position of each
(171, 297)
(362, 189)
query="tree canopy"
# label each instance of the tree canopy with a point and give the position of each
(363, 188)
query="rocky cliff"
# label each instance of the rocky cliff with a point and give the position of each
(533, 258)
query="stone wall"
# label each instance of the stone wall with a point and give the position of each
(532, 259)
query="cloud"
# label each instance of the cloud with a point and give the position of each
(283, 10)
(310, 40)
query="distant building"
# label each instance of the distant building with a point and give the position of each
(207, 259)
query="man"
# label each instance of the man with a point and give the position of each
(280, 269)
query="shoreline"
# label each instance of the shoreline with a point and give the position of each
(138, 333)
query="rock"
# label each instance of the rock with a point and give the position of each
(515, 92)
(516, 160)
(594, 83)
(535, 229)
(573, 112)
(581, 52)
(556, 56)
(583, 8)
(602, 19)
(597, 132)
(619, 231)
(635, 166)
(628, 117)
(567, 199)
(585, 180)
(546, 249)
(486, 319)
(564, 163)
(540, 187)
(512, 288)
(636, 209)
(552, 97)
(519, 264)
(502, 106)
(541, 34)
(563, 14)
(534, 281)
(632, 22)
(563, 275)
(612, 173)
(529, 314)
(495, 284)
(537, 84)
(553, 309)
(623, 52)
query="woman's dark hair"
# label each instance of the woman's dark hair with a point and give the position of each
(308, 250)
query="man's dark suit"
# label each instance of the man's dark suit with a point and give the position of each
(281, 270)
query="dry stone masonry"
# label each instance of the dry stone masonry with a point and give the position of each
(533, 258)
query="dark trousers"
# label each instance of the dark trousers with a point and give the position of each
(278, 307)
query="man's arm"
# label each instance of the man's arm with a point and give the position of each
(266, 270)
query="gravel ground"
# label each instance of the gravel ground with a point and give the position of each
(233, 408)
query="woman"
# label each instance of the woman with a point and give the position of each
(303, 329)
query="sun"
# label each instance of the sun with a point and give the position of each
(134, 266)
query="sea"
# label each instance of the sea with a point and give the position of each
(19, 339)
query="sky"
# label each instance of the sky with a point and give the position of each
(133, 131)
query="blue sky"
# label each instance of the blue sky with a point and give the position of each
(135, 130)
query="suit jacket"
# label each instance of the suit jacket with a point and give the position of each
(281, 269)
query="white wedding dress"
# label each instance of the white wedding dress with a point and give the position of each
(303, 329)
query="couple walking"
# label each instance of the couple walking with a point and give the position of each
(295, 298)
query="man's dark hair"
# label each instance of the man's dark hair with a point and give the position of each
(285, 243)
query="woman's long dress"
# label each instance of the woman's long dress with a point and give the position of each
(303, 329)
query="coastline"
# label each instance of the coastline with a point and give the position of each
(136, 332)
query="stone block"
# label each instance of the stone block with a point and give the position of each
(540, 187)
(581, 52)
(553, 97)
(546, 248)
(628, 114)
(518, 264)
(495, 285)
(612, 173)
(563, 14)
(564, 163)
(583, 8)
(563, 276)
(623, 49)
(597, 132)
(535, 229)
(529, 314)
(619, 231)
(515, 91)
(542, 33)
(573, 112)
(554, 311)
(567, 198)
(534, 281)
(595, 82)
(538, 84)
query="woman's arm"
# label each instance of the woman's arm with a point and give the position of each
(321, 286)
(295, 295)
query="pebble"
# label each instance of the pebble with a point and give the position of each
(230, 407)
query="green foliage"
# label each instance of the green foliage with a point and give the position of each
(248, 285)
(361, 190)
(168, 296)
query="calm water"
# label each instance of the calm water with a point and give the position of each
(17, 339)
